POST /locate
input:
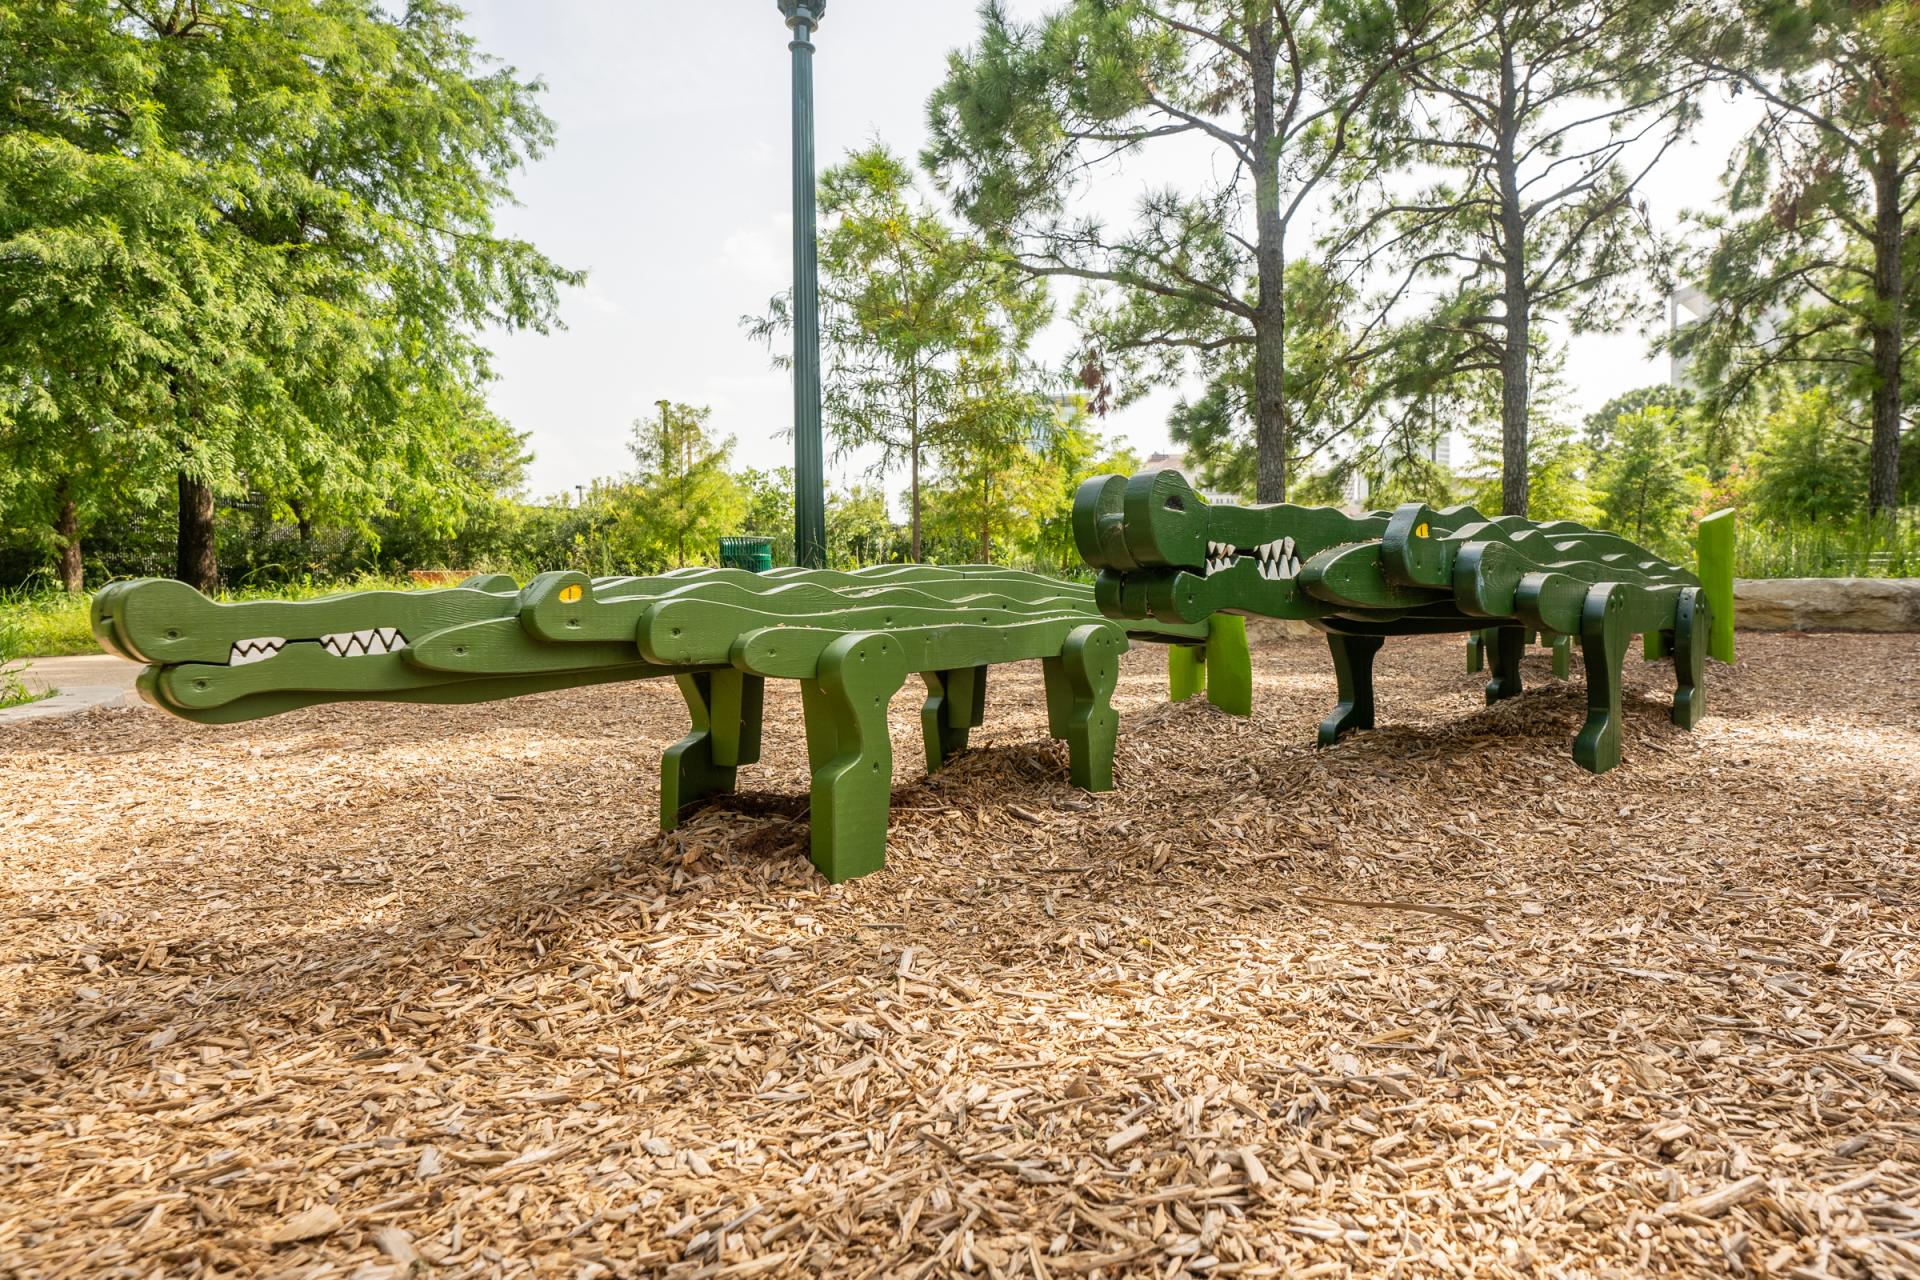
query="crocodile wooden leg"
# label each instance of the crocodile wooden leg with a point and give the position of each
(1508, 645)
(1080, 685)
(726, 709)
(1186, 671)
(1229, 665)
(1353, 675)
(956, 703)
(1603, 645)
(1476, 652)
(1562, 647)
(1692, 635)
(851, 756)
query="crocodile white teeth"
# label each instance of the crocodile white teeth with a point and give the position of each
(255, 650)
(1276, 560)
(1220, 556)
(361, 644)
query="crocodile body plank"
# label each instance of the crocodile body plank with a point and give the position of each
(1165, 553)
(850, 640)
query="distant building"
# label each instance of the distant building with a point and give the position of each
(1685, 306)
(1690, 305)
(1441, 451)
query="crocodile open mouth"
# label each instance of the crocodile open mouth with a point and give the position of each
(1275, 560)
(342, 644)
(259, 650)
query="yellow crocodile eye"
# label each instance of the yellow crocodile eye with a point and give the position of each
(1421, 531)
(572, 594)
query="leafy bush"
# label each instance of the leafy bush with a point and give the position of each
(13, 688)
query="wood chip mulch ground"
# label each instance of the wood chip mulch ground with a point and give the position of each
(384, 991)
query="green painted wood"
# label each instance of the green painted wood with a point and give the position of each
(851, 754)
(956, 704)
(259, 706)
(1603, 641)
(1713, 549)
(1353, 675)
(501, 646)
(1086, 674)
(721, 632)
(1229, 663)
(1164, 553)
(1562, 647)
(1186, 671)
(562, 608)
(1693, 642)
(162, 621)
(1656, 645)
(490, 582)
(692, 770)
(1353, 577)
(1508, 647)
(792, 652)
(737, 703)
(305, 668)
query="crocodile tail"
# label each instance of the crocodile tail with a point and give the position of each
(1713, 563)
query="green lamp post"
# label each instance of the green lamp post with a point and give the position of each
(809, 465)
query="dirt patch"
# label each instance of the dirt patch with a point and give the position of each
(365, 988)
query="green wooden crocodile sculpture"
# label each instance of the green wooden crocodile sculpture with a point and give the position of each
(850, 639)
(1164, 552)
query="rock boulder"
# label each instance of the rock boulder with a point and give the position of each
(1827, 604)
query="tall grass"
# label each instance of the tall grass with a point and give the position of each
(13, 687)
(1883, 547)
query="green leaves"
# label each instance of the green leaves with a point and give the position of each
(683, 499)
(924, 327)
(1809, 279)
(254, 245)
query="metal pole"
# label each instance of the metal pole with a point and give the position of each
(809, 466)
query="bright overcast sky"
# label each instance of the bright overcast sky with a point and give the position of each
(668, 183)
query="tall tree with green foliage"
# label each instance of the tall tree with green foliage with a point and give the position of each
(1509, 180)
(859, 531)
(1073, 452)
(1036, 112)
(1812, 276)
(991, 482)
(903, 297)
(1803, 470)
(1644, 490)
(683, 498)
(251, 247)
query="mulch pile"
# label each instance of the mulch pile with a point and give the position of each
(379, 991)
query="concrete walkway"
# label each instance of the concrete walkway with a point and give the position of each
(95, 680)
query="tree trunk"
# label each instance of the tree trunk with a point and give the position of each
(1515, 354)
(198, 563)
(913, 462)
(66, 530)
(301, 518)
(1272, 427)
(986, 519)
(913, 498)
(1889, 287)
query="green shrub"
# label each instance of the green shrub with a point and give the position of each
(13, 688)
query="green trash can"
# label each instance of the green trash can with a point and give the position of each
(755, 555)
